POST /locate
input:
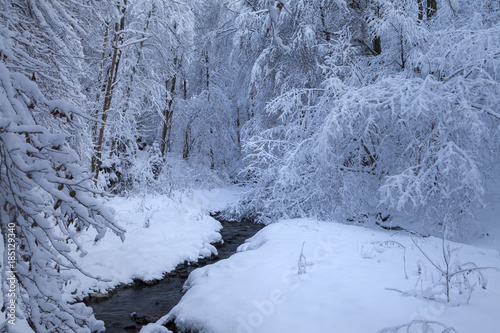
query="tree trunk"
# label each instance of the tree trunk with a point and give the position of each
(207, 75)
(168, 114)
(427, 7)
(377, 44)
(420, 10)
(128, 92)
(323, 23)
(431, 8)
(110, 83)
(186, 148)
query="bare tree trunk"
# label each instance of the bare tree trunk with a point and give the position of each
(208, 75)
(128, 92)
(325, 28)
(186, 148)
(168, 115)
(420, 10)
(110, 83)
(377, 43)
(431, 8)
(427, 7)
(238, 128)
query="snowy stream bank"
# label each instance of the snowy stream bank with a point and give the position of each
(150, 301)
(305, 275)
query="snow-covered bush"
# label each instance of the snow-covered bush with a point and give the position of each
(456, 280)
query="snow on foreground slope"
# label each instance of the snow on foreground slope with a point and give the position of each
(347, 281)
(161, 233)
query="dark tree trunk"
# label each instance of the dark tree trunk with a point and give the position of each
(168, 115)
(431, 8)
(377, 45)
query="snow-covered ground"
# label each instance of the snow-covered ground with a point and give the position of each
(162, 232)
(297, 275)
(310, 276)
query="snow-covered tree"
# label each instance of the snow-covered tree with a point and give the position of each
(46, 198)
(145, 47)
(51, 34)
(418, 133)
(285, 43)
(206, 124)
(399, 28)
(113, 26)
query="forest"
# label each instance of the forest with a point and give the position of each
(371, 113)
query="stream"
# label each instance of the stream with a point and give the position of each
(150, 302)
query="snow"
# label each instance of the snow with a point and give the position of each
(21, 326)
(341, 4)
(155, 328)
(349, 284)
(454, 5)
(489, 217)
(161, 232)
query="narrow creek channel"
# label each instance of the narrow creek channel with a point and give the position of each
(150, 302)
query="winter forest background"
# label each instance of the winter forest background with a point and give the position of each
(332, 109)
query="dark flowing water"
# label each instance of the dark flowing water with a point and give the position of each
(150, 302)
